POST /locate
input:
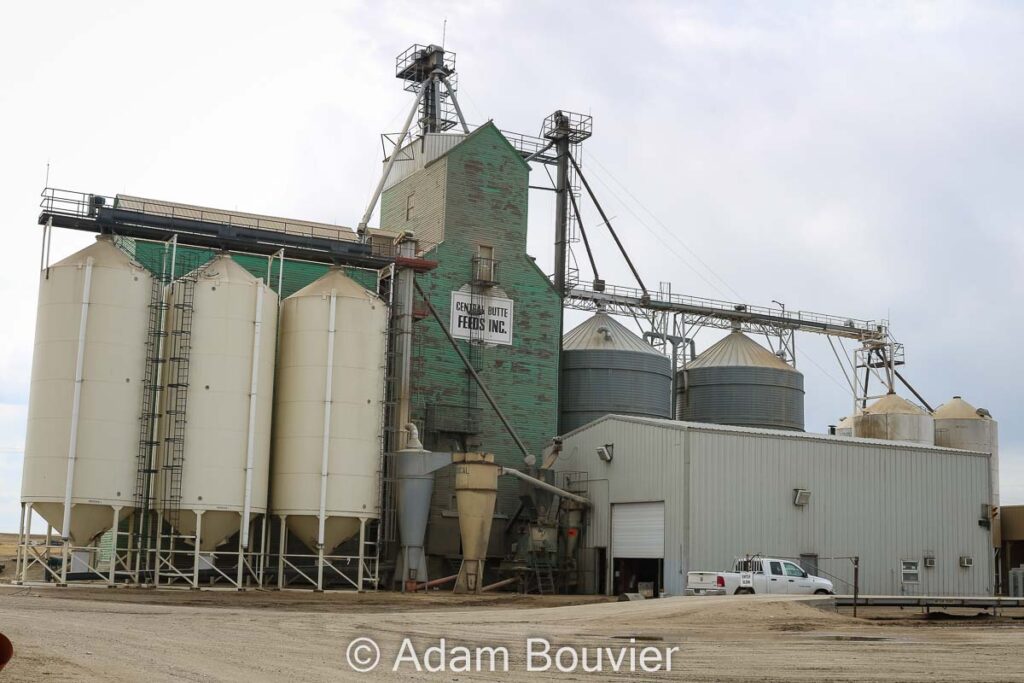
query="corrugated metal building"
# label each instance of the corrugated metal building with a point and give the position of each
(695, 496)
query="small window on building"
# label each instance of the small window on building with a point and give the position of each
(410, 205)
(910, 571)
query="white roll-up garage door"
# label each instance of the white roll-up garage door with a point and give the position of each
(638, 530)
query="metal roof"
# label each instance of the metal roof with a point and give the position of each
(336, 281)
(778, 433)
(738, 350)
(891, 404)
(226, 269)
(601, 332)
(958, 409)
(103, 252)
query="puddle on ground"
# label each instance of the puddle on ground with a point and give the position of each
(856, 639)
(640, 638)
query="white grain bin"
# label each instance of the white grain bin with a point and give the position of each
(328, 410)
(226, 458)
(91, 325)
(895, 419)
(958, 424)
(845, 426)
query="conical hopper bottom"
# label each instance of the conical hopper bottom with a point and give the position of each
(218, 527)
(337, 530)
(87, 520)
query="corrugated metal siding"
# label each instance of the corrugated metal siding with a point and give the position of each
(742, 396)
(649, 465)
(418, 155)
(598, 383)
(882, 501)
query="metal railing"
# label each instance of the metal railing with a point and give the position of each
(585, 296)
(84, 205)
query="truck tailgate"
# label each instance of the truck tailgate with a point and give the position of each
(702, 583)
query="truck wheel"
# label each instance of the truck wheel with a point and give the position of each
(744, 591)
(822, 591)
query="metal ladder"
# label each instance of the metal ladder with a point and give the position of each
(179, 351)
(544, 577)
(151, 393)
(385, 530)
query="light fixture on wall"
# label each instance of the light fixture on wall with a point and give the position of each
(801, 497)
(606, 452)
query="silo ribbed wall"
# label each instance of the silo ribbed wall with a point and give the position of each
(599, 383)
(743, 397)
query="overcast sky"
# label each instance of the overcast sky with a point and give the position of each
(862, 159)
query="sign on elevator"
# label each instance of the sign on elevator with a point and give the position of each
(481, 318)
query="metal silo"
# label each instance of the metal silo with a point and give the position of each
(328, 410)
(87, 369)
(958, 424)
(845, 426)
(217, 403)
(895, 419)
(606, 369)
(736, 381)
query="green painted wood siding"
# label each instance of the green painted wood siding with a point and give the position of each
(485, 202)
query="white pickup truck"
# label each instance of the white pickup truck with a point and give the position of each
(758, 575)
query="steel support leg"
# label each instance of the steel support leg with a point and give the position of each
(195, 556)
(130, 550)
(241, 558)
(156, 548)
(319, 568)
(65, 557)
(20, 548)
(281, 547)
(28, 540)
(263, 550)
(362, 553)
(111, 581)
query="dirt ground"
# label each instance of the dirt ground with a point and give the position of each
(80, 633)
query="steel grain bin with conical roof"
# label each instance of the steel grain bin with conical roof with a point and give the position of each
(606, 369)
(845, 426)
(895, 419)
(328, 409)
(958, 424)
(227, 416)
(91, 334)
(738, 382)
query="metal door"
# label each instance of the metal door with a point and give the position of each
(638, 530)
